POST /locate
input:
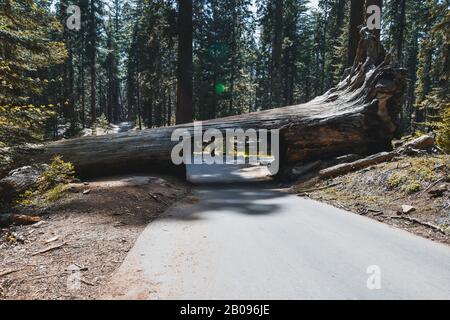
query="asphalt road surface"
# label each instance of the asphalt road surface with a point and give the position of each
(249, 241)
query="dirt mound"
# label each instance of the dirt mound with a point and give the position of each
(409, 192)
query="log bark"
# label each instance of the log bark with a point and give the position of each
(358, 116)
(345, 168)
(425, 142)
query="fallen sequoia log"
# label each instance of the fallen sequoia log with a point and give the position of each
(358, 116)
(425, 142)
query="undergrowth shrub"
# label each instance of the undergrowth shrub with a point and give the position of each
(52, 184)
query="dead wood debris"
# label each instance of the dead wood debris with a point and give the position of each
(158, 199)
(425, 142)
(7, 272)
(422, 223)
(302, 192)
(51, 248)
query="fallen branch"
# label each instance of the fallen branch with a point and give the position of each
(432, 185)
(43, 277)
(302, 170)
(318, 189)
(7, 272)
(423, 223)
(422, 143)
(58, 246)
(375, 212)
(87, 283)
(357, 165)
(158, 199)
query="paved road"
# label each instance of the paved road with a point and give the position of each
(253, 242)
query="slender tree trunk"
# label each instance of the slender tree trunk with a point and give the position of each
(323, 49)
(93, 61)
(185, 112)
(356, 20)
(83, 93)
(401, 31)
(277, 46)
(233, 59)
(212, 111)
(73, 118)
(151, 108)
(336, 33)
(139, 101)
(110, 91)
(169, 107)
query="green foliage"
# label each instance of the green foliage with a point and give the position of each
(26, 199)
(123, 62)
(59, 172)
(443, 129)
(433, 88)
(56, 193)
(395, 180)
(301, 70)
(52, 184)
(25, 50)
(41, 198)
(413, 187)
(101, 125)
(412, 174)
(21, 124)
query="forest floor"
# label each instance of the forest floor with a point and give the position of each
(411, 193)
(83, 238)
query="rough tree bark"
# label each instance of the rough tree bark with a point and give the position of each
(358, 116)
(277, 48)
(184, 111)
(356, 21)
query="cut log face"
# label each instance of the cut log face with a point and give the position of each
(358, 116)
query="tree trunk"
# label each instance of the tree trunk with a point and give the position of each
(356, 21)
(401, 31)
(233, 59)
(359, 116)
(184, 112)
(93, 61)
(277, 47)
(339, 12)
(83, 93)
(169, 108)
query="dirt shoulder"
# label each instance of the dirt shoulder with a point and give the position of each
(411, 193)
(82, 238)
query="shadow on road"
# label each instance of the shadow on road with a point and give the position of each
(229, 189)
